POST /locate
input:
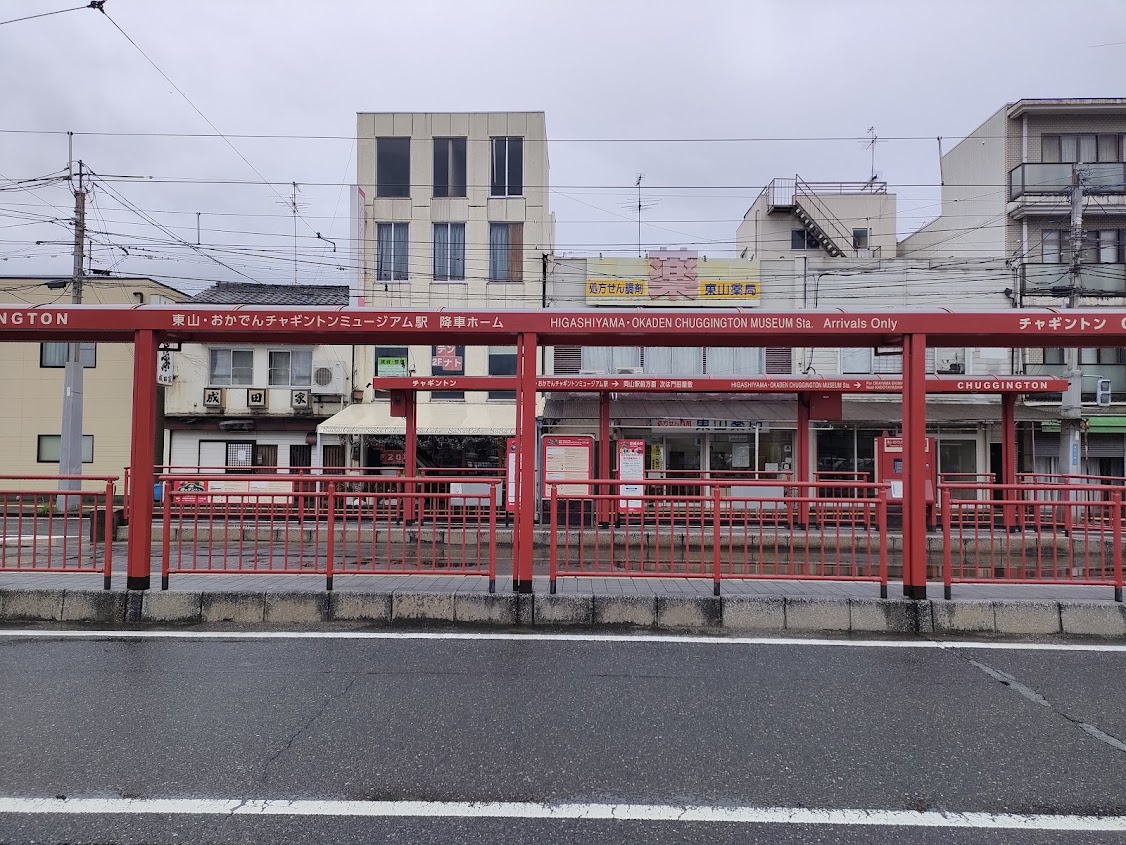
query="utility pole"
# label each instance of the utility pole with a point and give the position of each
(640, 176)
(70, 441)
(1071, 409)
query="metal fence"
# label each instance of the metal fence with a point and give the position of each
(45, 530)
(1032, 534)
(328, 524)
(758, 532)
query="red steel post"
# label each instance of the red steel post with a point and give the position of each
(915, 462)
(410, 462)
(717, 538)
(525, 462)
(1009, 456)
(802, 465)
(947, 548)
(330, 537)
(107, 526)
(604, 505)
(1116, 539)
(139, 554)
(553, 540)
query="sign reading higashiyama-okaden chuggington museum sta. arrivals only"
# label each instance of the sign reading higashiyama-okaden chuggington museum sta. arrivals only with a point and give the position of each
(677, 277)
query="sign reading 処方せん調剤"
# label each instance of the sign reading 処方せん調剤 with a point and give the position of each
(680, 278)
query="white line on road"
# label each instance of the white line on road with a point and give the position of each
(675, 639)
(531, 810)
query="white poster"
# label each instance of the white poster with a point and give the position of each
(631, 467)
(741, 455)
(567, 458)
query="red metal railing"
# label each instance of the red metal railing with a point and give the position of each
(42, 532)
(1032, 534)
(235, 471)
(333, 525)
(795, 534)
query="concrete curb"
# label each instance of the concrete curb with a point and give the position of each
(736, 614)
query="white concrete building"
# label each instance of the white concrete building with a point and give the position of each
(792, 218)
(245, 406)
(455, 213)
(799, 250)
(1005, 196)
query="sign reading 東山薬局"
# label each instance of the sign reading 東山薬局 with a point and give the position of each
(677, 277)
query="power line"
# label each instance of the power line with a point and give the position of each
(96, 5)
(188, 100)
(579, 140)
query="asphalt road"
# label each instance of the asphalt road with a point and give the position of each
(552, 722)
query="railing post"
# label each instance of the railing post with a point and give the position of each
(166, 497)
(882, 527)
(494, 489)
(716, 539)
(330, 541)
(947, 551)
(107, 579)
(1116, 538)
(553, 539)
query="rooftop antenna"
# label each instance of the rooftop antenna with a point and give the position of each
(872, 139)
(641, 206)
(294, 207)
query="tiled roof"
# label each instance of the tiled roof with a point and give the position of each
(252, 293)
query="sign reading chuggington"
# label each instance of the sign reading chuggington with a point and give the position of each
(676, 277)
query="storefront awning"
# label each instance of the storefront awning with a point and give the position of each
(643, 411)
(453, 418)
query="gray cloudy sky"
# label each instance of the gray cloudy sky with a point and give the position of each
(600, 69)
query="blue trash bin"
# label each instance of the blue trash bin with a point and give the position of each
(158, 491)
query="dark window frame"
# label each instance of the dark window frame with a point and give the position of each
(506, 166)
(388, 156)
(448, 154)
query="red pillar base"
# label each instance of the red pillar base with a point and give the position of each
(915, 592)
(137, 582)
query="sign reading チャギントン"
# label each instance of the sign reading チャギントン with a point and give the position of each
(680, 278)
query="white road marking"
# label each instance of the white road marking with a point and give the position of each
(675, 639)
(531, 810)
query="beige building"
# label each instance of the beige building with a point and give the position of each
(32, 380)
(452, 212)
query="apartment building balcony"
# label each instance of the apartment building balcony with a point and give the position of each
(1044, 189)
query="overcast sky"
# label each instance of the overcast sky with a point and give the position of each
(607, 69)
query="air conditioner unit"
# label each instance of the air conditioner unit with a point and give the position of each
(214, 397)
(300, 400)
(255, 397)
(630, 371)
(328, 379)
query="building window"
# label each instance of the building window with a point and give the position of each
(802, 239)
(49, 446)
(391, 361)
(856, 361)
(1100, 246)
(231, 368)
(393, 167)
(449, 252)
(508, 167)
(447, 361)
(291, 368)
(733, 361)
(1107, 356)
(1054, 357)
(860, 238)
(1082, 149)
(502, 362)
(449, 167)
(506, 252)
(240, 456)
(55, 354)
(392, 241)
